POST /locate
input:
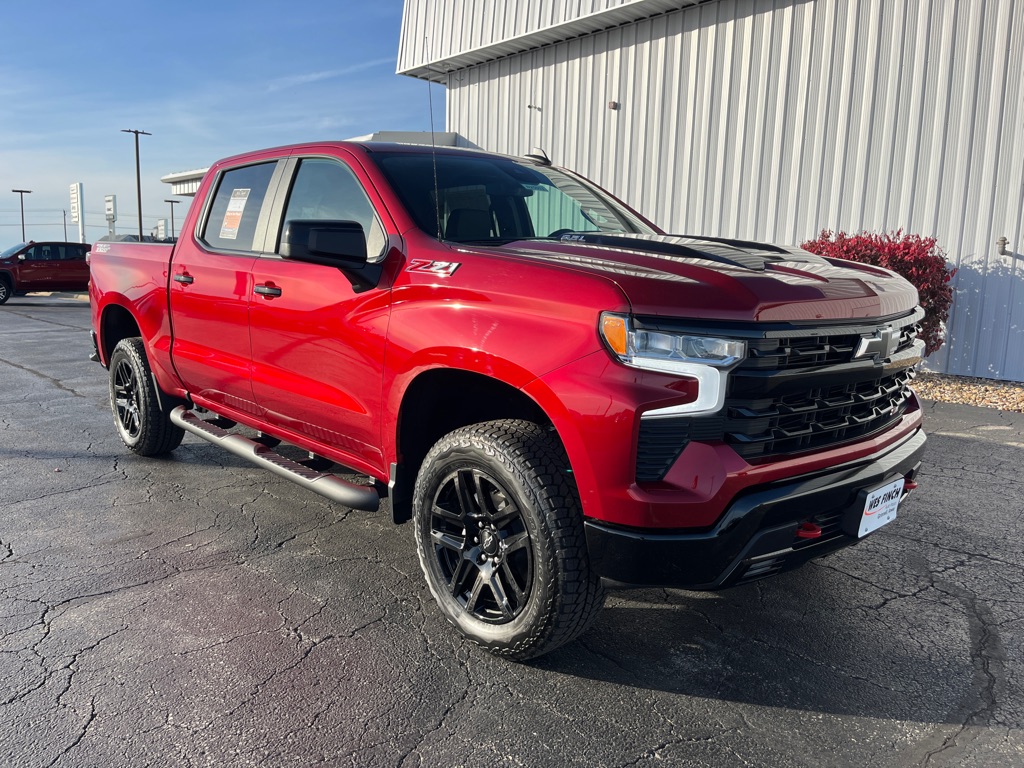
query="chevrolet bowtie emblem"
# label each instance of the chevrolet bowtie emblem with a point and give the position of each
(881, 346)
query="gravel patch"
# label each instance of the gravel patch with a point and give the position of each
(966, 390)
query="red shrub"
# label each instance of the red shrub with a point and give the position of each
(919, 259)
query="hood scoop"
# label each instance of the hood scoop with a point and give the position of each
(734, 253)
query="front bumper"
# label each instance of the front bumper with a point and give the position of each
(757, 535)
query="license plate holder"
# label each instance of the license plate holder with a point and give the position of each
(877, 508)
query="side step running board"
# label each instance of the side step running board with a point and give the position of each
(333, 487)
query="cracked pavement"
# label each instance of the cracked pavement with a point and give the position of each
(199, 611)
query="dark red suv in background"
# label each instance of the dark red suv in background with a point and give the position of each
(46, 266)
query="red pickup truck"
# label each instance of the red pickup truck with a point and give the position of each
(559, 395)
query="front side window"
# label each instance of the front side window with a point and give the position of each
(235, 212)
(41, 252)
(328, 190)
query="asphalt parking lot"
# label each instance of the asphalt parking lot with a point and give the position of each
(198, 611)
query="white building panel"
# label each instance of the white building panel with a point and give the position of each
(440, 35)
(775, 119)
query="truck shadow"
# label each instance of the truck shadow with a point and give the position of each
(800, 641)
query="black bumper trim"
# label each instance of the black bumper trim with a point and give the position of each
(756, 535)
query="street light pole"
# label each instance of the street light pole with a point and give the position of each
(173, 203)
(65, 224)
(22, 193)
(138, 174)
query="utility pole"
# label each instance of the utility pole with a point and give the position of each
(173, 203)
(138, 173)
(65, 224)
(22, 193)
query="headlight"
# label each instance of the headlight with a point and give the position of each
(704, 358)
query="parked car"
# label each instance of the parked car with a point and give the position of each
(45, 266)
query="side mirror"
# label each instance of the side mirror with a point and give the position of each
(22, 257)
(324, 241)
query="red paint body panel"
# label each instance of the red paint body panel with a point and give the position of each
(318, 356)
(134, 277)
(328, 367)
(212, 352)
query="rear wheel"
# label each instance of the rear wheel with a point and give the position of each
(5, 289)
(499, 533)
(140, 423)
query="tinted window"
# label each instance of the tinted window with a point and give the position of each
(326, 189)
(496, 198)
(43, 252)
(231, 224)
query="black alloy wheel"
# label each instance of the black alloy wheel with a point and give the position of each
(126, 399)
(499, 534)
(5, 290)
(134, 400)
(482, 545)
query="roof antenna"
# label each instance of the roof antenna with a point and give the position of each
(538, 154)
(433, 149)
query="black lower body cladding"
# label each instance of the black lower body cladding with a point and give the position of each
(757, 536)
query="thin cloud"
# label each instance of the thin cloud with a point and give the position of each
(282, 83)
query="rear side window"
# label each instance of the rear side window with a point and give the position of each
(231, 223)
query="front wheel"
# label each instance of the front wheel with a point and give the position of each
(499, 533)
(142, 426)
(5, 289)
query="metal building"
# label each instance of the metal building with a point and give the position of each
(770, 120)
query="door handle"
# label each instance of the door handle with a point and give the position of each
(184, 278)
(267, 290)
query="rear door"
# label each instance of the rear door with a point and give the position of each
(72, 271)
(318, 342)
(211, 287)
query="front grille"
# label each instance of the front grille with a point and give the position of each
(796, 391)
(815, 418)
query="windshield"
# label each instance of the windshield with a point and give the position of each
(497, 199)
(12, 250)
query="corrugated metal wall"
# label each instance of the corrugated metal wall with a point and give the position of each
(774, 119)
(437, 30)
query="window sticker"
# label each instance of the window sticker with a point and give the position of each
(233, 215)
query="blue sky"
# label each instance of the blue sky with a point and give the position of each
(208, 80)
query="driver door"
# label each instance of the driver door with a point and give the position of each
(37, 271)
(317, 342)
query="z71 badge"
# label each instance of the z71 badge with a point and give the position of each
(439, 268)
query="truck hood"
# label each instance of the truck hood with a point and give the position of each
(712, 278)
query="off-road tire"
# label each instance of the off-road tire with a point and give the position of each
(506, 484)
(6, 289)
(141, 425)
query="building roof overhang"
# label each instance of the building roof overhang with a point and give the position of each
(437, 69)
